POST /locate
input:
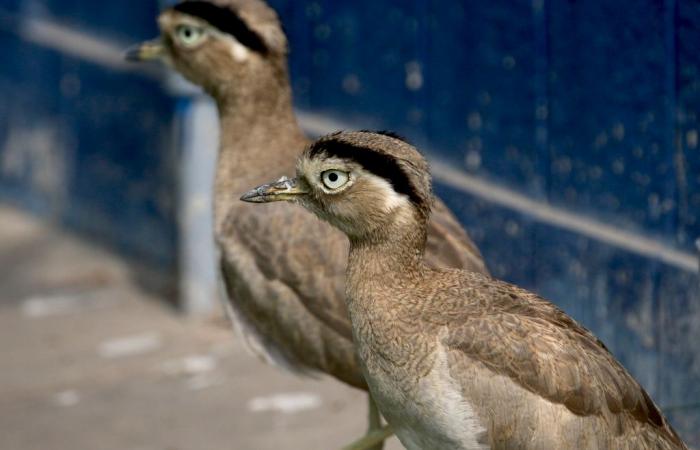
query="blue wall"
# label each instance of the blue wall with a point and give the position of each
(582, 106)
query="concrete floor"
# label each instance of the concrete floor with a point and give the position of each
(91, 362)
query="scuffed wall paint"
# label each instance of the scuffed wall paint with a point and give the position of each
(85, 138)
(37, 155)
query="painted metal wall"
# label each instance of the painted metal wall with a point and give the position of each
(563, 134)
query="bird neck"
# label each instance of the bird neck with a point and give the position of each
(257, 96)
(391, 253)
(259, 136)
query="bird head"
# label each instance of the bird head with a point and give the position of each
(217, 44)
(364, 183)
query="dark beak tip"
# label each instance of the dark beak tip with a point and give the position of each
(252, 197)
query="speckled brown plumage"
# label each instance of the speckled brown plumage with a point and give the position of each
(283, 268)
(456, 359)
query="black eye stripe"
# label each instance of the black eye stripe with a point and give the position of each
(225, 20)
(379, 164)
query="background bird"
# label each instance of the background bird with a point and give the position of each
(283, 269)
(456, 359)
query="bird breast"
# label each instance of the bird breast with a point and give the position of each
(429, 412)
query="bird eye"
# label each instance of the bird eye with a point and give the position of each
(334, 179)
(189, 35)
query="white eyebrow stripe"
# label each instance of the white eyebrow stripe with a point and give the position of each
(239, 51)
(392, 199)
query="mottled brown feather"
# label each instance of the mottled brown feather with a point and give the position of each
(514, 332)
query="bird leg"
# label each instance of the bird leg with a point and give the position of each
(376, 434)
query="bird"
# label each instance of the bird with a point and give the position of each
(284, 289)
(456, 359)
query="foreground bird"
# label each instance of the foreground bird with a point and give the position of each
(284, 270)
(455, 359)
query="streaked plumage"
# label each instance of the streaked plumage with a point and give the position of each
(456, 359)
(283, 268)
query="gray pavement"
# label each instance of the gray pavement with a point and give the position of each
(89, 361)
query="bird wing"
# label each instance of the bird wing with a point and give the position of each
(520, 335)
(293, 247)
(448, 245)
(284, 275)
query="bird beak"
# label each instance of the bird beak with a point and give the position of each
(145, 51)
(284, 189)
